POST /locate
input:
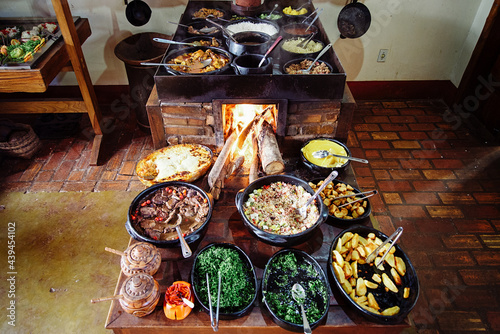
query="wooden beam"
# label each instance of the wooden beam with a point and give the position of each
(42, 106)
(74, 48)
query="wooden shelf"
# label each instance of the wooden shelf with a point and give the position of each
(53, 61)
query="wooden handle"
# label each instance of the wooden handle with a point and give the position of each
(117, 252)
(103, 299)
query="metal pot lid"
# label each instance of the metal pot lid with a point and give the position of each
(141, 254)
(139, 287)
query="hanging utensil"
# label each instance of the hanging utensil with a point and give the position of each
(302, 211)
(308, 70)
(354, 20)
(324, 153)
(299, 295)
(271, 48)
(137, 12)
(374, 254)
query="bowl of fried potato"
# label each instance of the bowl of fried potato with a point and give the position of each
(350, 213)
(384, 294)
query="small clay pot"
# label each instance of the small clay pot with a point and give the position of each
(141, 257)
(141, 293)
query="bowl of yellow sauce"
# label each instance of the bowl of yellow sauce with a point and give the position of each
(324, 166)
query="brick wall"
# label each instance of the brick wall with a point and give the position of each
(196, 122)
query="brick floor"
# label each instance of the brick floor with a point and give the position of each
(439, 182)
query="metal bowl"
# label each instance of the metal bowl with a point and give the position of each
(343, 221)
(280, 282)
(271, 238)
(137, 234)
(320, 169)
(196, 278)
(384, 298)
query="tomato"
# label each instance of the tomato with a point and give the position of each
(174, 307)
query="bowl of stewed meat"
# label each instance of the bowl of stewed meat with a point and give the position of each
(268, 208)
(156, 211)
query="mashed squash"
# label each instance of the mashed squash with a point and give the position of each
(324, 144)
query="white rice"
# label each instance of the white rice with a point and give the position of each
(250, 26)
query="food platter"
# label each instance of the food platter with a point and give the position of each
(26, 24)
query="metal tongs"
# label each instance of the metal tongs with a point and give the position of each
(373, 192)
(374, 254)
(214, 322)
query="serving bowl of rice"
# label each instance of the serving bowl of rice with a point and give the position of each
(290, 49)
(267, 208)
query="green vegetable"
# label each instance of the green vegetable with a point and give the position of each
(284, 271)
(237, 283)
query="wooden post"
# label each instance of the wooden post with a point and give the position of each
(68, 30)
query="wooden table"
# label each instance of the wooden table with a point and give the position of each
(64, 55)
(226, 226)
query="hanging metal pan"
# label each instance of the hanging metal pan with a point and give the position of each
(354, 20)
(137, 12)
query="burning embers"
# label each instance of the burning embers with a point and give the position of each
(249, 132)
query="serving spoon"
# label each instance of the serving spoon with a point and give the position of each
(324, 153)
(302, 211)
(299, 295)
(275, 6)
(167, 41)
(196, 66)
(308, 70)
(186, 251)
(204, 30)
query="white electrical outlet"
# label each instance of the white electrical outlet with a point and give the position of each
(382, 55)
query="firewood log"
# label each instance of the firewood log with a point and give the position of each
(270, 155)
(253, 174)
(218, 167)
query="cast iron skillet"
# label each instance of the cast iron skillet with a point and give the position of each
(271, 238)
(384, 299)
(138, 12)
(178, 52)
(354, 20)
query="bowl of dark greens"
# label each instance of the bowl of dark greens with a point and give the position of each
(285, 268)
(238, 290)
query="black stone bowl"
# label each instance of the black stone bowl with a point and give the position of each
(324, 171)
(273, 282)
(178, 52)
(384, 299)
(286, 55)
(190, 238)
(271, 238)
(199, 24)
(298, 29)
(195, 282)
(341, 221)
(201, 38)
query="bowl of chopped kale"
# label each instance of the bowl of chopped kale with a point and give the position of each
(238, 289)
(285, 268)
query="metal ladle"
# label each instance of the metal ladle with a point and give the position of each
(224, 29)
(270, 49)
(167, 41)
(275, 6)
(324, 153)
(186, 251)
(196, 66)
(205, 30)
(299, 295)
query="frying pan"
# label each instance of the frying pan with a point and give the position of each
(137, 12)
(354, 20)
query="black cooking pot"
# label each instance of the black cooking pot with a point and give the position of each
(280, 281)
(196, 280)
(248, 64)
(354, 20)
(384, 298)
(248, 42)
(271, 238)
(138, 12)
(137, 234)
(178, 52)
